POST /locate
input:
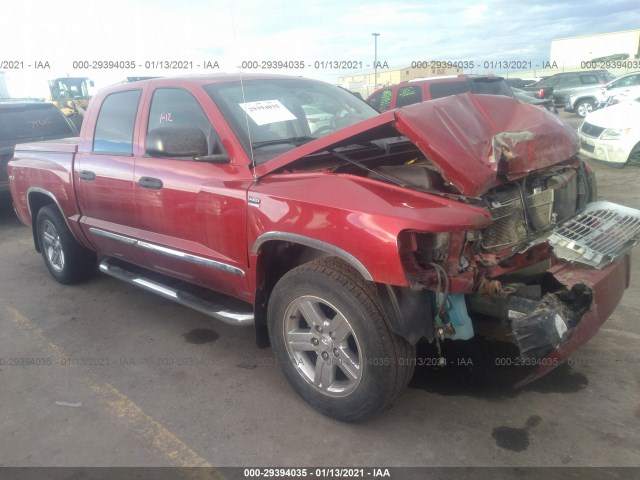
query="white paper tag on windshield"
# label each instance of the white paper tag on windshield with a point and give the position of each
(267, 111)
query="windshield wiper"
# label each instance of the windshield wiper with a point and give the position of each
(297, 141)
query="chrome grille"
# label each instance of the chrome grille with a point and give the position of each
(591, 130)
(597, 236)
(586, 147)
(509, 227)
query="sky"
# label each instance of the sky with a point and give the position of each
(231, 32)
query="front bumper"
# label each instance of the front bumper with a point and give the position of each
(613, 151)
(607, 287)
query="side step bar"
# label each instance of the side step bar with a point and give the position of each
(187, 299)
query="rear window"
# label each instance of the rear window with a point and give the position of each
(32, 122)
(439, 90)
(491, 86)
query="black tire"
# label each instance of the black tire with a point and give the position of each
(335, 294)
(634, 156)
(67, 260)
(583, 107)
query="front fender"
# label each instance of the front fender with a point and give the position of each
(357, 219)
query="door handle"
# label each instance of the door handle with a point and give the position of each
(87, 175)
(150, 183)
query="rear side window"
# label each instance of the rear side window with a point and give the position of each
(408, 96)
(33, 121)
(439, 90)
(589, 79)
(114, 127)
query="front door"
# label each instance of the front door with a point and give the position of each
(191, 214)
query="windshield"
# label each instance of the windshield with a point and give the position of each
(272, 116)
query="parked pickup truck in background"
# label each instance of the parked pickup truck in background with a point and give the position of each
(28, 121)
(345, 247)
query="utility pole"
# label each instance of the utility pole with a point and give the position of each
(375, 60)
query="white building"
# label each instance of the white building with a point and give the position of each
(571, 51)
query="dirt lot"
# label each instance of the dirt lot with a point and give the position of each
(104, 374)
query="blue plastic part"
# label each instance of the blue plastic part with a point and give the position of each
(458, 316)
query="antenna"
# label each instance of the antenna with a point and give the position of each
(244, 100)
(246, 117)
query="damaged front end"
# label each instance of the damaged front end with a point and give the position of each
(543, 264)
(549, 269)
(547, 272)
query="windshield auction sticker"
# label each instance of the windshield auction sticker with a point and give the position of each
(267, 111)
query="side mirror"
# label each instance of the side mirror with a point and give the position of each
(91, 84)
(176, 142)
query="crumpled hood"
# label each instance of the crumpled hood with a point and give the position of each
(471, 139)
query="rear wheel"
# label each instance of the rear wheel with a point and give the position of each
(333, 342)
(67, 260)
(583, 107)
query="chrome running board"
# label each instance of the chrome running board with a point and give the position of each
(187, 299)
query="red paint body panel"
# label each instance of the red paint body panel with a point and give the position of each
(464, 136)
(359, 215)
(608, 286)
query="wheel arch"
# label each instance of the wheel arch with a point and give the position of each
(586, 97)
(279, 252)
(38, 198)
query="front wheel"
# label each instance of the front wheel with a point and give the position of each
(67, 260)
(333, 342)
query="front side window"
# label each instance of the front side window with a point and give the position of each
(631, 80)
(114, 127)
(176, 107)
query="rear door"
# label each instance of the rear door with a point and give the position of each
(191, 214)
(103, 176)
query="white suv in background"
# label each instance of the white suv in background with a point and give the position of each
(585, 101)
(612, 134)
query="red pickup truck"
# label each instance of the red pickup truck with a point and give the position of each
(343, 247)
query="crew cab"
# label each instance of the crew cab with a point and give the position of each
(343, 248)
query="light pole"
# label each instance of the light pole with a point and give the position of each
(375, 60)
